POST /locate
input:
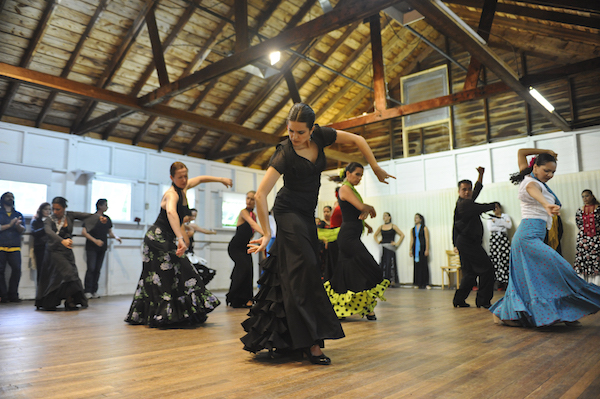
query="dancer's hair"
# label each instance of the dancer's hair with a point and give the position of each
(60, 201)
(175, 166)
(422, 219)
(466, 181)
(100, 202)
(301, 112)
(587, 190)
(38, 213)
(540, 160)
(352, 166)
(327, 206)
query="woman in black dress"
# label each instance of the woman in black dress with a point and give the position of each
(59, 279)
(419, 251)
(358, 280)
(39, 236)
(388, 252)
(292, 310)
(240, 291)
(170, 291)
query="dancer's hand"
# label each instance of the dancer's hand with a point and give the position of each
(67, 242)
(227, 182)
(367, 211)
(258, 245)
(382, 175)
(552, 209)
(181, 247)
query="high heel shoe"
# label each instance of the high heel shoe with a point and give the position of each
(320, 359)
(461, 305)
(371, 317)
(489, 305)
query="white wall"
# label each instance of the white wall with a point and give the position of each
(427, 185)
(67, 163)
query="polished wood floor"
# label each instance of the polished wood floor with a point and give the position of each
(420, 347)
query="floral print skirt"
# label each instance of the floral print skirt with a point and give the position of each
(170, 291)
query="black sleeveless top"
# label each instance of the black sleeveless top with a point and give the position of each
(349, 212)
(182, 210)
(387, 236)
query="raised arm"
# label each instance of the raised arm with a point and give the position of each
(360, 142)
(194, 181)
(262, 209)
(523, 153)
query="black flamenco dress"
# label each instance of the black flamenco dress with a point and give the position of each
(240, 290)
(59, 278)
(291, 309)
(388, 257)
(358, 280)
(421, 267)
(170, 291)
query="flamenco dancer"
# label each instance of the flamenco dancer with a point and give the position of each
(292, 310)
(240, 291)
(543, 289)
(170, 291)
(358, 280)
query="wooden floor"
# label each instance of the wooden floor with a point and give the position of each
(420, 347)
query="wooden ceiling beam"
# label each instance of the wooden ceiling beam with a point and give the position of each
(242, 38)
(577, 5)
(436, 15)
(157, 48)
(292, 86)
(344, 14)
(536, 13)
(115, 62)
(72, 59)
(27, 57)
(485, 27)
(380, 93)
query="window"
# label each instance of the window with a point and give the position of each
(28, 196)
(117, 194)
(231, 206)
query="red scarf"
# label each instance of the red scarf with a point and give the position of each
(589, 221)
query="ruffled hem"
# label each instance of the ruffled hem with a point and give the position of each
(190, 308)
(351, 303)
(266, 326)
(541, 312)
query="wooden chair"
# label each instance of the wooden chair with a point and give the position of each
(452, 267)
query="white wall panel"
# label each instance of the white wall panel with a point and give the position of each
(468, 162)
(244, 181)
(410, 176)
(45, 151)
(131, 164)
(11, 145)
(589, 143)
(504, 162)
(28, 174)
(158, 168)
(195, 168)
(93, 157)
(565, 148)
(440, 173)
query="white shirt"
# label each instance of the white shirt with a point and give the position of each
(499, 225)
(530, 207)
(272, 226)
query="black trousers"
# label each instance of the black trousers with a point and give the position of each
(474, 262)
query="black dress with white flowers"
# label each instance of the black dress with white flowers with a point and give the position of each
(170, 291)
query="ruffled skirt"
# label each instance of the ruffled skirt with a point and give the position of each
(170, 291)
(543, 289)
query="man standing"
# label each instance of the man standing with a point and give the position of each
(11, 229)
(467, 234)
(96, 231)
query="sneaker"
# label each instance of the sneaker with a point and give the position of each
(95, 295)
(88, 295)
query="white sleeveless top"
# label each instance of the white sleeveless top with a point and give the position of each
(530, 207)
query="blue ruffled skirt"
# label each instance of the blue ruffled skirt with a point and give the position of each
(543, 288)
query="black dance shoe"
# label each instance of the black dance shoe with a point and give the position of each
(321, 359)
(461, 305)
(371, 317)
(489, 305)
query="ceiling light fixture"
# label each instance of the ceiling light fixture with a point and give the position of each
(275, 56)
(538, 96)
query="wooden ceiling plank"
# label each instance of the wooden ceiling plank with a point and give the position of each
(346, 13)
(31, 49)
(577, 5)
(72, 59)
(292, 87)
(436, 16)
(51, 82)
(485, 27)
(116, 61)
(535, 13)
(377, 61)
(242, 38)
(157, 48)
